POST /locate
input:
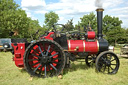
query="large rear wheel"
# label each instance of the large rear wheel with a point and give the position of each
(44, 58)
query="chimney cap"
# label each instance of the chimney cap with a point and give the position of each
(99, 9)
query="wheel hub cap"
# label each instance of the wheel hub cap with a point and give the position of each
(44, 59)
(108, 63)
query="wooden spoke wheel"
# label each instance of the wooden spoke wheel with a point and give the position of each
(90, 60)
(44, 58)
(107, 62)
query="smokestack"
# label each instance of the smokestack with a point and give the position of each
(99, 22)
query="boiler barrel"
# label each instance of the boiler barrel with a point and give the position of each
(83, 46)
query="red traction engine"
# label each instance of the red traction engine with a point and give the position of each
(49, 55)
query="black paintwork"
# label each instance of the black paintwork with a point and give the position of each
(62, 41)
(103, 45)
(99, 24)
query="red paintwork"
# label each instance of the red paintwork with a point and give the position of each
(49, 36)
(91, 34)
(83, 46)
(19, 50)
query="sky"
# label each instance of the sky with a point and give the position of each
(74, 9)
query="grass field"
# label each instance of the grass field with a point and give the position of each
(79, 74)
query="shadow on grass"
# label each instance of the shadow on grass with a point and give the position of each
(76, 66)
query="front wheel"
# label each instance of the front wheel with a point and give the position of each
(107, 62)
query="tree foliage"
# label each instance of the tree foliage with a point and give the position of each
(13, 18)
(89, 18)
(110, 23)
(69, 25)
(51, 18)
(113, 31)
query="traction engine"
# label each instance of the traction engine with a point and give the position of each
(49, 55)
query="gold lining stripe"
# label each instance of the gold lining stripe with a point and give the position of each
(97, 44)
(69, 45)
(100, 9)
(84, 45)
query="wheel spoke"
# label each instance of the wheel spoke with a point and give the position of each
(111, 68)
(40, 70)
(35, 55)
(41, 51)
(53, 67)
(35, 51)
(37, 67)
(57, 58)
(103, 59)
(113, 60)
(35, 63)
(106, 56)
(45, 71)
(49, 69)
(104, 68)
(108, 69)
(113, 64)
(44, 46)
(90, 62)
(53, 49)
(54, 62)
(53, 55)
(110, 57)
(90, 58)
(32, 60)
(48, 50)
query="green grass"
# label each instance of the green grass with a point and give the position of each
(117, 50)
(79, 74)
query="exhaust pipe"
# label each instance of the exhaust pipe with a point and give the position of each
(103, 43)
(99, 22)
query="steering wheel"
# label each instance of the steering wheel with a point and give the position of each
(59, 24)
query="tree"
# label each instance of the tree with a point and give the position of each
(112, 29)
(6, 7)
(89, 18)
(12, 18)
(110, 23)
(69, 25)
(116, 36)
(51, 18)
(34, 29)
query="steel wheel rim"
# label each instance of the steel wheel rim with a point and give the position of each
(90, 60)
(47, 57)
(108, 63)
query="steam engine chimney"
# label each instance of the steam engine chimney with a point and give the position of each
(99, 22)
